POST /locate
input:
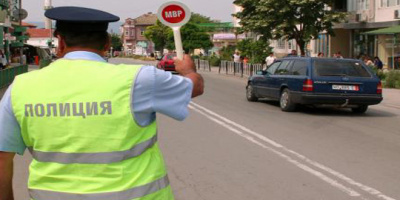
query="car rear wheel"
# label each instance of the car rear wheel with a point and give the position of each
(286, 102)
(360, 109)
(251, 96)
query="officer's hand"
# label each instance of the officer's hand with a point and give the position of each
(187, 68)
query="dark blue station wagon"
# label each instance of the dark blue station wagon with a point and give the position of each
(345, 83)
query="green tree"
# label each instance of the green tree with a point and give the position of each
(192, 38)
(301, 20)
(158, 34)
(116, 42)
(226, 53)
(198, 19)
(257, 51)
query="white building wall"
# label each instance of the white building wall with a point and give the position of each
(236, 21)
(41, 42)
(386, 10)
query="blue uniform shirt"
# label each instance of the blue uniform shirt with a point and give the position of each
(155, 91)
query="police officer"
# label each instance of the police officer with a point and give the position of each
(90, 125)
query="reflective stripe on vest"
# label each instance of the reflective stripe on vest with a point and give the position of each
(93, 158)
(130, 194)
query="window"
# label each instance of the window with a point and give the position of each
(299, 68)
(290, 44)
(281, 44)
(389, 3)
(142, 32)
(273, 67)
(340, 68)
(283, 68)
(362, 4)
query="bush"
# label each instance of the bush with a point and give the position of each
(393, 79)
(214, 61)
(381, 75)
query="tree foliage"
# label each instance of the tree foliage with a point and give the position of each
(257, 51)
(116, 42)
(192, 36)
(301, 20)
(198, 19)
(227, 52)
(158, 34)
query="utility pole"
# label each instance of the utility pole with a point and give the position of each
(49, 24)
(47, 6)
(21, 51)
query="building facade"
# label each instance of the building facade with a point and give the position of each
(134, 41)
(352, 38)
(12, 33)
(41, 37)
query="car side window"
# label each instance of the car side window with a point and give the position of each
(273, 67)
(299, 68)
(284, 68)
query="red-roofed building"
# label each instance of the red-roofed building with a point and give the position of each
(28, 25)
(40, 37)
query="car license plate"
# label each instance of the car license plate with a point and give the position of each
(346, 87)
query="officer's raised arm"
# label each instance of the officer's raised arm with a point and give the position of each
(187, 68)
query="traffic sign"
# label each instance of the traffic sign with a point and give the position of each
(175, 14)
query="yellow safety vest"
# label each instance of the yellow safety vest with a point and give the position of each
(77, 121)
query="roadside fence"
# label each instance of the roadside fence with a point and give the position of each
(239, 68)
(7, 75)
(202, 64)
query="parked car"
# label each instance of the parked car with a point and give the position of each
(167, 63)
(346, 83)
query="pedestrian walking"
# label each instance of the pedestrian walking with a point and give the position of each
(270, 59)
(378, 63)
(368, 61)
(91, 125)
(339, 55)
(236, 57)
(293, 53)
(3, 60)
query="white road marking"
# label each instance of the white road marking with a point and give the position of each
(282, 151)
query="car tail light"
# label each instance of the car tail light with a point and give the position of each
(308, 85)
(379, 88)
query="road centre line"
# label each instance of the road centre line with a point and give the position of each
(282, 151)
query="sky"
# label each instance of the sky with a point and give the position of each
(215, 9)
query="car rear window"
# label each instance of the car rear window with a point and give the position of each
(171, 56)
(340, 68)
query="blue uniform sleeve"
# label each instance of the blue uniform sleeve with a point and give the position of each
(157, 91)
(10, 131)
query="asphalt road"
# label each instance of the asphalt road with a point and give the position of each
(232, 149)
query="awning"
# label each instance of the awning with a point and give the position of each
(385, 31)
